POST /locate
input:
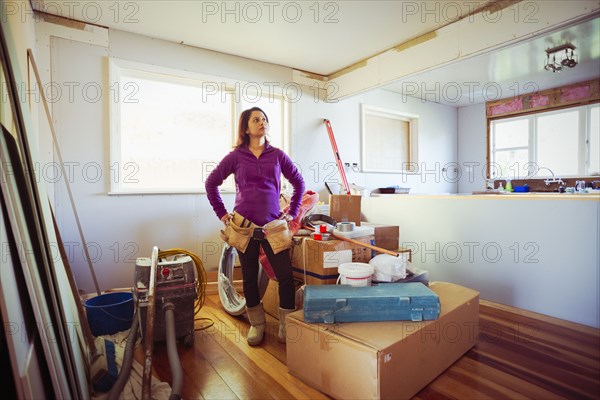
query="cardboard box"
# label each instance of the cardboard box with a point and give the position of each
(386, 236)
(387, 360)
(270, 299)
(315, 262)
(345, 208)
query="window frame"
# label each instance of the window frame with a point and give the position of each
(412, 145)
(583, 151)
(119, 67)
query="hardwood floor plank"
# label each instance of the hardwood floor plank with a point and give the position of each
(551, 377)
(235, 377)
(556, 366)
(488, 388)
(447, 385)
(429, 393)
(581, 347)
(518, 313)
(200, 379)
(512, 386)
(520, 355)
(229, 343)
(231, 336)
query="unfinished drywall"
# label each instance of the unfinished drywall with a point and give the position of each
(514, 250)
(472, 144)
(437, 142)
(498, 25)
(118, 229)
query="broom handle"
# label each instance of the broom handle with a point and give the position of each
(85, 328)
(62, 168)
(369, 246)
(149, 335)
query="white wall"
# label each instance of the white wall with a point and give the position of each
(119, 229)
(472, 142)
(437, 142)
(537, 254)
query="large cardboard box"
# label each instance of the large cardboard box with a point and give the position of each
(387, 360)
(345, 208)
(270, 299)
(315, 262)
(386, 236)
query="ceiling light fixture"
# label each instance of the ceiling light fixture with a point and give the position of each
(568, 58)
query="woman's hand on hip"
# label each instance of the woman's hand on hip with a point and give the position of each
(226, 219)
(286, 217)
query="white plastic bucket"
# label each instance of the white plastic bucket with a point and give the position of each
(355, 274)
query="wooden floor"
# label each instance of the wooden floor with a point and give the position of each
(520, 355)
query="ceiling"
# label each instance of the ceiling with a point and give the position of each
(327, 36)
(510, 71)
(320, 37)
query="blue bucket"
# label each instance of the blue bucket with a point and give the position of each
(109, 313)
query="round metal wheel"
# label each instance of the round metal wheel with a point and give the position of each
(232, 301)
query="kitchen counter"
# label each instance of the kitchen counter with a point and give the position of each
(595, 196)
(516, 249)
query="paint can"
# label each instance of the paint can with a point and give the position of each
(355, 274)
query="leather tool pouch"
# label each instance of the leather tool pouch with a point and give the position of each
(237, 236)
(279, 235)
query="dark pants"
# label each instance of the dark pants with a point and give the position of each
(282, 267)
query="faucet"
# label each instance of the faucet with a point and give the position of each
(553, 180)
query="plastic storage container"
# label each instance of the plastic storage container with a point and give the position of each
(109, 313)
(521, 189)
(355, 274)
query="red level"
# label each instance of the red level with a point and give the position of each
(336, 154)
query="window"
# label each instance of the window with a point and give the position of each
(389, 140)
(565, 141)
(169, 128)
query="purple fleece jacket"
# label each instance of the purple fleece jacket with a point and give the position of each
(257, 184)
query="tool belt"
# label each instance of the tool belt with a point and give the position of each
(240, 231)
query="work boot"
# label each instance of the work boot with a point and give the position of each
(256, 315)
(282, 313)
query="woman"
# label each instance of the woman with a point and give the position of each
(257, 167)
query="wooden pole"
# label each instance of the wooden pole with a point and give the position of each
(368, 245)
(62, 169)
(149, 332)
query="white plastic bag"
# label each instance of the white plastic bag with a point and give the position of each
(389, 268)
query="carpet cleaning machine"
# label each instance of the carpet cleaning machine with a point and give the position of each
(176, 290)
(168, 291)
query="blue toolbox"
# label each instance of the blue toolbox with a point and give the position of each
(411, 301)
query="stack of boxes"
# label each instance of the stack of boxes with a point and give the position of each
(315, 262)
(388, 359)
(383, 360)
